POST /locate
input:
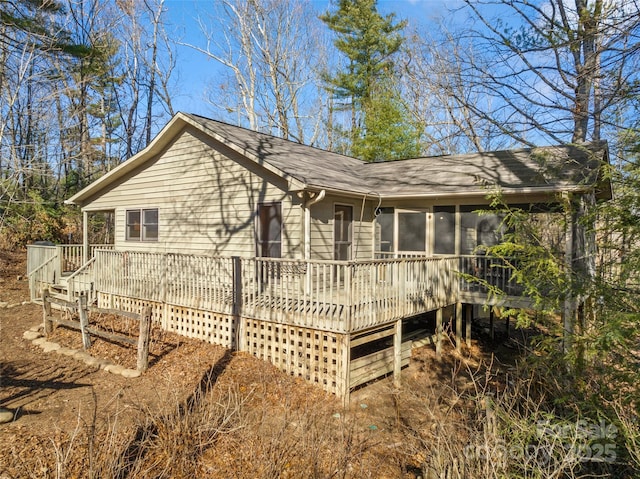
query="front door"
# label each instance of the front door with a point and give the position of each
(342, 220)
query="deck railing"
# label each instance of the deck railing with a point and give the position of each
(82, 281)
(38, 255)
(487, 272)
(199, 282)
(42, 276)
(335, 296)
(70, 257)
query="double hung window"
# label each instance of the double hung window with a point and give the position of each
(142, 224)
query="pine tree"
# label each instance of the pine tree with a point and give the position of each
(380, 128)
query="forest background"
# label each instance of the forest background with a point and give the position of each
(85, 84)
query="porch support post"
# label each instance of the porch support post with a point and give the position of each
(346, 368)
(438, 332)
(397, 353)
(492, 326)
(468, 318)
(458, 326)
(568, 309)
(85, 236)
(237, 302)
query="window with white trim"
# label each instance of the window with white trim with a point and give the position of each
(142, 224)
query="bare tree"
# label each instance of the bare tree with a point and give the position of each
(434, 84)
(558, 70)
(146, 65)
(270, 50)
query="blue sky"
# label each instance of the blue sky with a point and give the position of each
(194, 71)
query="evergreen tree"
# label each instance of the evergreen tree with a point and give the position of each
(380, 128)
(34, 21)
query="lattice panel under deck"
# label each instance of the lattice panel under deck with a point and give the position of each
(216, 328)
(313, 355)
(130, 305)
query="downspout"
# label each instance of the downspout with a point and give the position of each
(307, 222)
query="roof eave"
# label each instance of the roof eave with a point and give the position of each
(485, 192)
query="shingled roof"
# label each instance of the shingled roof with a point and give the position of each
(544, 169)
(558, 168)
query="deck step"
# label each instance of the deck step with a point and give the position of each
(57, 291)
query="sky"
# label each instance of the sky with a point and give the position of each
(194, 71)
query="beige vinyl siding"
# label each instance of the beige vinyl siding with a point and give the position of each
(322, 227)
(207, 198)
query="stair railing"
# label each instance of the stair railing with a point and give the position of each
(82, 281)
(44, 275)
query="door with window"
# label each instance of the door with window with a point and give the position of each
(269, 230)
(342, 237)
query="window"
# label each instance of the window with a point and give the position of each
(445, 229)
(412, 231)
(269, 230)
(142, 225)
(478, 229)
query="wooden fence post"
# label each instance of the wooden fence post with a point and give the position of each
(143, 339)
(46, 312)
(84, 321)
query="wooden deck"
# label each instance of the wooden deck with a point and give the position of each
(306, 317)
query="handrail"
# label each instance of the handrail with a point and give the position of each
(36, 276)
(80, 270)
(41, 266)
(34, 256)
(71, 280)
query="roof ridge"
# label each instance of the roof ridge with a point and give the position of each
(270, 135)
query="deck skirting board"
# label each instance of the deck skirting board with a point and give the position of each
(321, 357)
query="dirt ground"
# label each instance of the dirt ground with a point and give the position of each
(48, 392)
(51, 394)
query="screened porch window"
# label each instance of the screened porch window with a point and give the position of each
(477, 230)
(269, 230)
(412, 231)
(142, 224)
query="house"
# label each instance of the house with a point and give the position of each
(299, 255)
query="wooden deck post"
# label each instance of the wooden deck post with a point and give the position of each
(237, 301)
(346, 368)
(458, 326)
(46, 312)
(492, 330)
(397, 353)
(468, 319)
(438, 332)
(85, 236)
(84, 321)
(143, 340)
(568, 311)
